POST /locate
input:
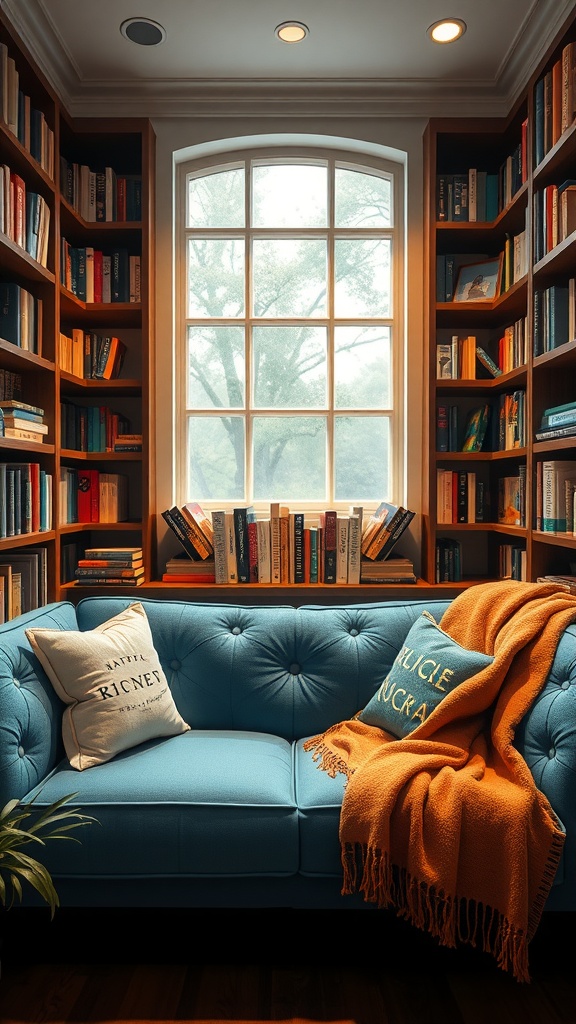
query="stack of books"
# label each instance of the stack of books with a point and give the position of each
(181, 569)
(393, 570)
(110, 566)
(193, 528)
(557, 421)
(128, 443)
(22, 421)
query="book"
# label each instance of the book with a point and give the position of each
(116, 553)
(328, 520)
(356, 516)
(22, 423)
(219, 543)
(107, 572)
(95, 581)
(203, 546)
(119, 563)
(396, 529)
(475, 428)
(555, 473)
(487, 362)
(174, 519)
(241, 540)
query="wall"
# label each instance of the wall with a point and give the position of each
(402, 135)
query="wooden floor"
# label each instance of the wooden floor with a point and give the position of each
(262, 966)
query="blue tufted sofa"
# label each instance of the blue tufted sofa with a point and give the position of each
(235, 813)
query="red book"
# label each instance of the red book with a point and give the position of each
(19, 235)
(98, 256)
(252, 529)
(88, 496)
(328, 522)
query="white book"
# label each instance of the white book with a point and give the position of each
(264, 562)
(472, 193)
(231, 548)
(275, 564)
(106, 279)
(342, 523)
(356, 514)
(219, 541)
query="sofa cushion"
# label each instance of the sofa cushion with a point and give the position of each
(204, 803)
(429, 666)
(112, 681)
(319, 798)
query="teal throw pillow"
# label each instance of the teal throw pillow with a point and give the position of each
(429, 666)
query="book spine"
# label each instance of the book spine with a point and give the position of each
(396, 533)
(241, 538)
(298, 547)
(252, 531)
(330, 546)
(178, 531)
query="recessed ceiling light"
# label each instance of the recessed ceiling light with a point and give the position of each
(292, 31)
(143, 31)
(447, 30)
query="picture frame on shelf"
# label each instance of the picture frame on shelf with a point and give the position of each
(479, 282)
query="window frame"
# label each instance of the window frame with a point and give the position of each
(335, 156)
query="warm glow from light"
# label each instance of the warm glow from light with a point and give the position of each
(291, 31)
(447, 31)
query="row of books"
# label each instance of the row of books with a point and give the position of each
(91, 356)
(24, 215)
(458, 359)
(20, 317)
(554, 320)
(285, 546)
(557, 421)
(502, 427)
(25, 121)
(23, 582)
(25, 499)
(95, 276)
(554, 102)
(555, 494)
(181, 569)
(100, 497)
(110, 567)
(512, 562)
(22, 421)
(554, 216)
(460, 497)
(91, 428)
(101, 195)
(479, 195)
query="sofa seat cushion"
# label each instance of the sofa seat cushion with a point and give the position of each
(200, 803)
(319, 802)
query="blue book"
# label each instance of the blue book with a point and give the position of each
(491, 197)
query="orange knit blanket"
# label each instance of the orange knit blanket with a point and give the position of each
(446, 826)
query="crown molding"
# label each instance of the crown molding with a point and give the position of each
(363, 98)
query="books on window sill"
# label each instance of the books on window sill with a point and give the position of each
(111, 567)
(281, 546)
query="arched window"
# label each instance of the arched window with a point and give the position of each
(289, 329)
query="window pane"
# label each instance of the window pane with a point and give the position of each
(289, 367)
(215, 458)
(289, 196)
(289, 277)
(216, 200)
(215, 277)
(215, 367)
(362, 458)
(362, 200)
(289, 458)
(362, 272)
(362, 368)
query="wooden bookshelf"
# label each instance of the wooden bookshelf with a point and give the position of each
(127, 146)
(452, 147)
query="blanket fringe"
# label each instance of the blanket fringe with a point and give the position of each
(450, 920)
(333, 764)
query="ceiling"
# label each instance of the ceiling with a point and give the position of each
(368, 57)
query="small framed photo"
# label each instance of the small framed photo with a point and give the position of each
(479, 282)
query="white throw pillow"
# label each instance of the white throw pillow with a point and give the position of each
(112, 681)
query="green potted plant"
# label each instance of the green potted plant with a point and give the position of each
(17, 832)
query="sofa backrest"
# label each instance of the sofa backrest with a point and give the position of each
(285, 670)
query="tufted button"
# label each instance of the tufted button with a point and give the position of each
(552, 752)
(294, 668)
(354, 632)
(16, 682)
(565, 684)
(236, 631)
(20, 751)
(175, 664)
